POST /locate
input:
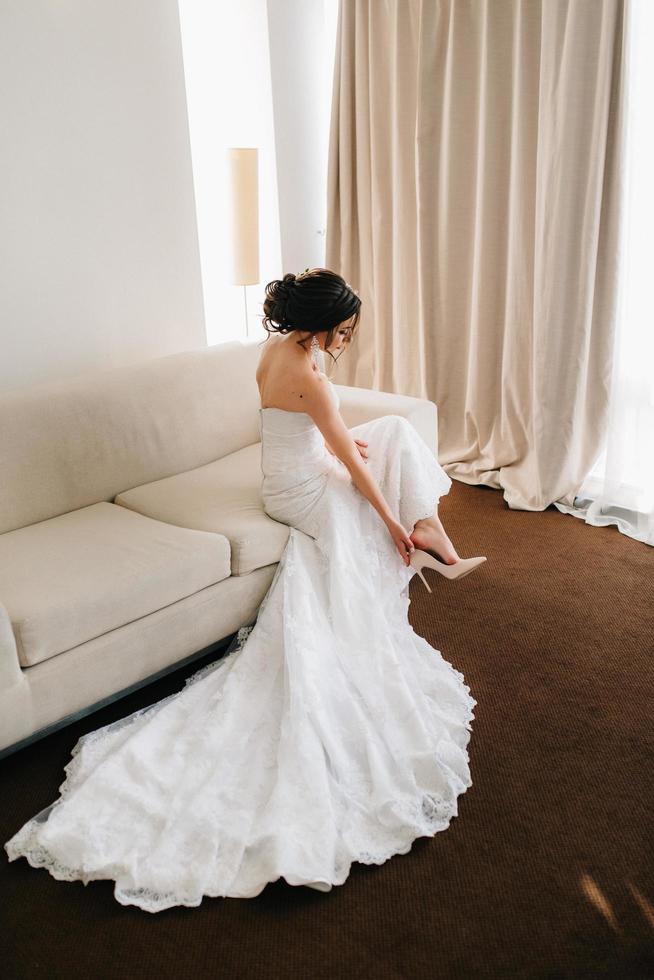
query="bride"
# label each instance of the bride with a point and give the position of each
(329, 732)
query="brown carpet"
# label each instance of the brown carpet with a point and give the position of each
(546, 872)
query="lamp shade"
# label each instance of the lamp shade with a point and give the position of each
(243, 196)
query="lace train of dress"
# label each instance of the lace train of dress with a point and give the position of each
(329, 733)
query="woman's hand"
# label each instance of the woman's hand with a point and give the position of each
(403, 542)
(360, 444)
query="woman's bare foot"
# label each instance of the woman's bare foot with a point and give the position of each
(429, 535)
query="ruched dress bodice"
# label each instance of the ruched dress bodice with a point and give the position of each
(295, 462)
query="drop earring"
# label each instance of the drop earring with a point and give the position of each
(315, 347)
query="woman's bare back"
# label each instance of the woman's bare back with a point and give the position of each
(282, 365)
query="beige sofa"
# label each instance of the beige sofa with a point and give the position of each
(132, 533)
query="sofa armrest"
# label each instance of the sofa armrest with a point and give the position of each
(364, 404)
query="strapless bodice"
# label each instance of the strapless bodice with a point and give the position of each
(294, 460)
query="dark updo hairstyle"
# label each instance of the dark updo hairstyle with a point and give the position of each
(311, 302)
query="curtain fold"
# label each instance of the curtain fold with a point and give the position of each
(475, 167)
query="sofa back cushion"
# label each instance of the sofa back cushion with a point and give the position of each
(76, 442)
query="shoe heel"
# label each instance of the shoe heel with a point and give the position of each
(419, 571)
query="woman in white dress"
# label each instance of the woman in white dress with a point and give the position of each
(329, 732)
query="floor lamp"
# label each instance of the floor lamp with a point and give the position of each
(243, 184)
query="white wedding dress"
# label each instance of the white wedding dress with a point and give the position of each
(330, 732)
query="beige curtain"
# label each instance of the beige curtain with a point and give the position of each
(475, 163)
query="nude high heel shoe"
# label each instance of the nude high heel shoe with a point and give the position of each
(421, 559)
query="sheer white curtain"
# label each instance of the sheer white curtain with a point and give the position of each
(259, 74)
(230, 103)
(620, 487)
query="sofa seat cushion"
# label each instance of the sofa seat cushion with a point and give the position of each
(224, 497)
(74, 577)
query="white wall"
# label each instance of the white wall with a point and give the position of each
(99, 262)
